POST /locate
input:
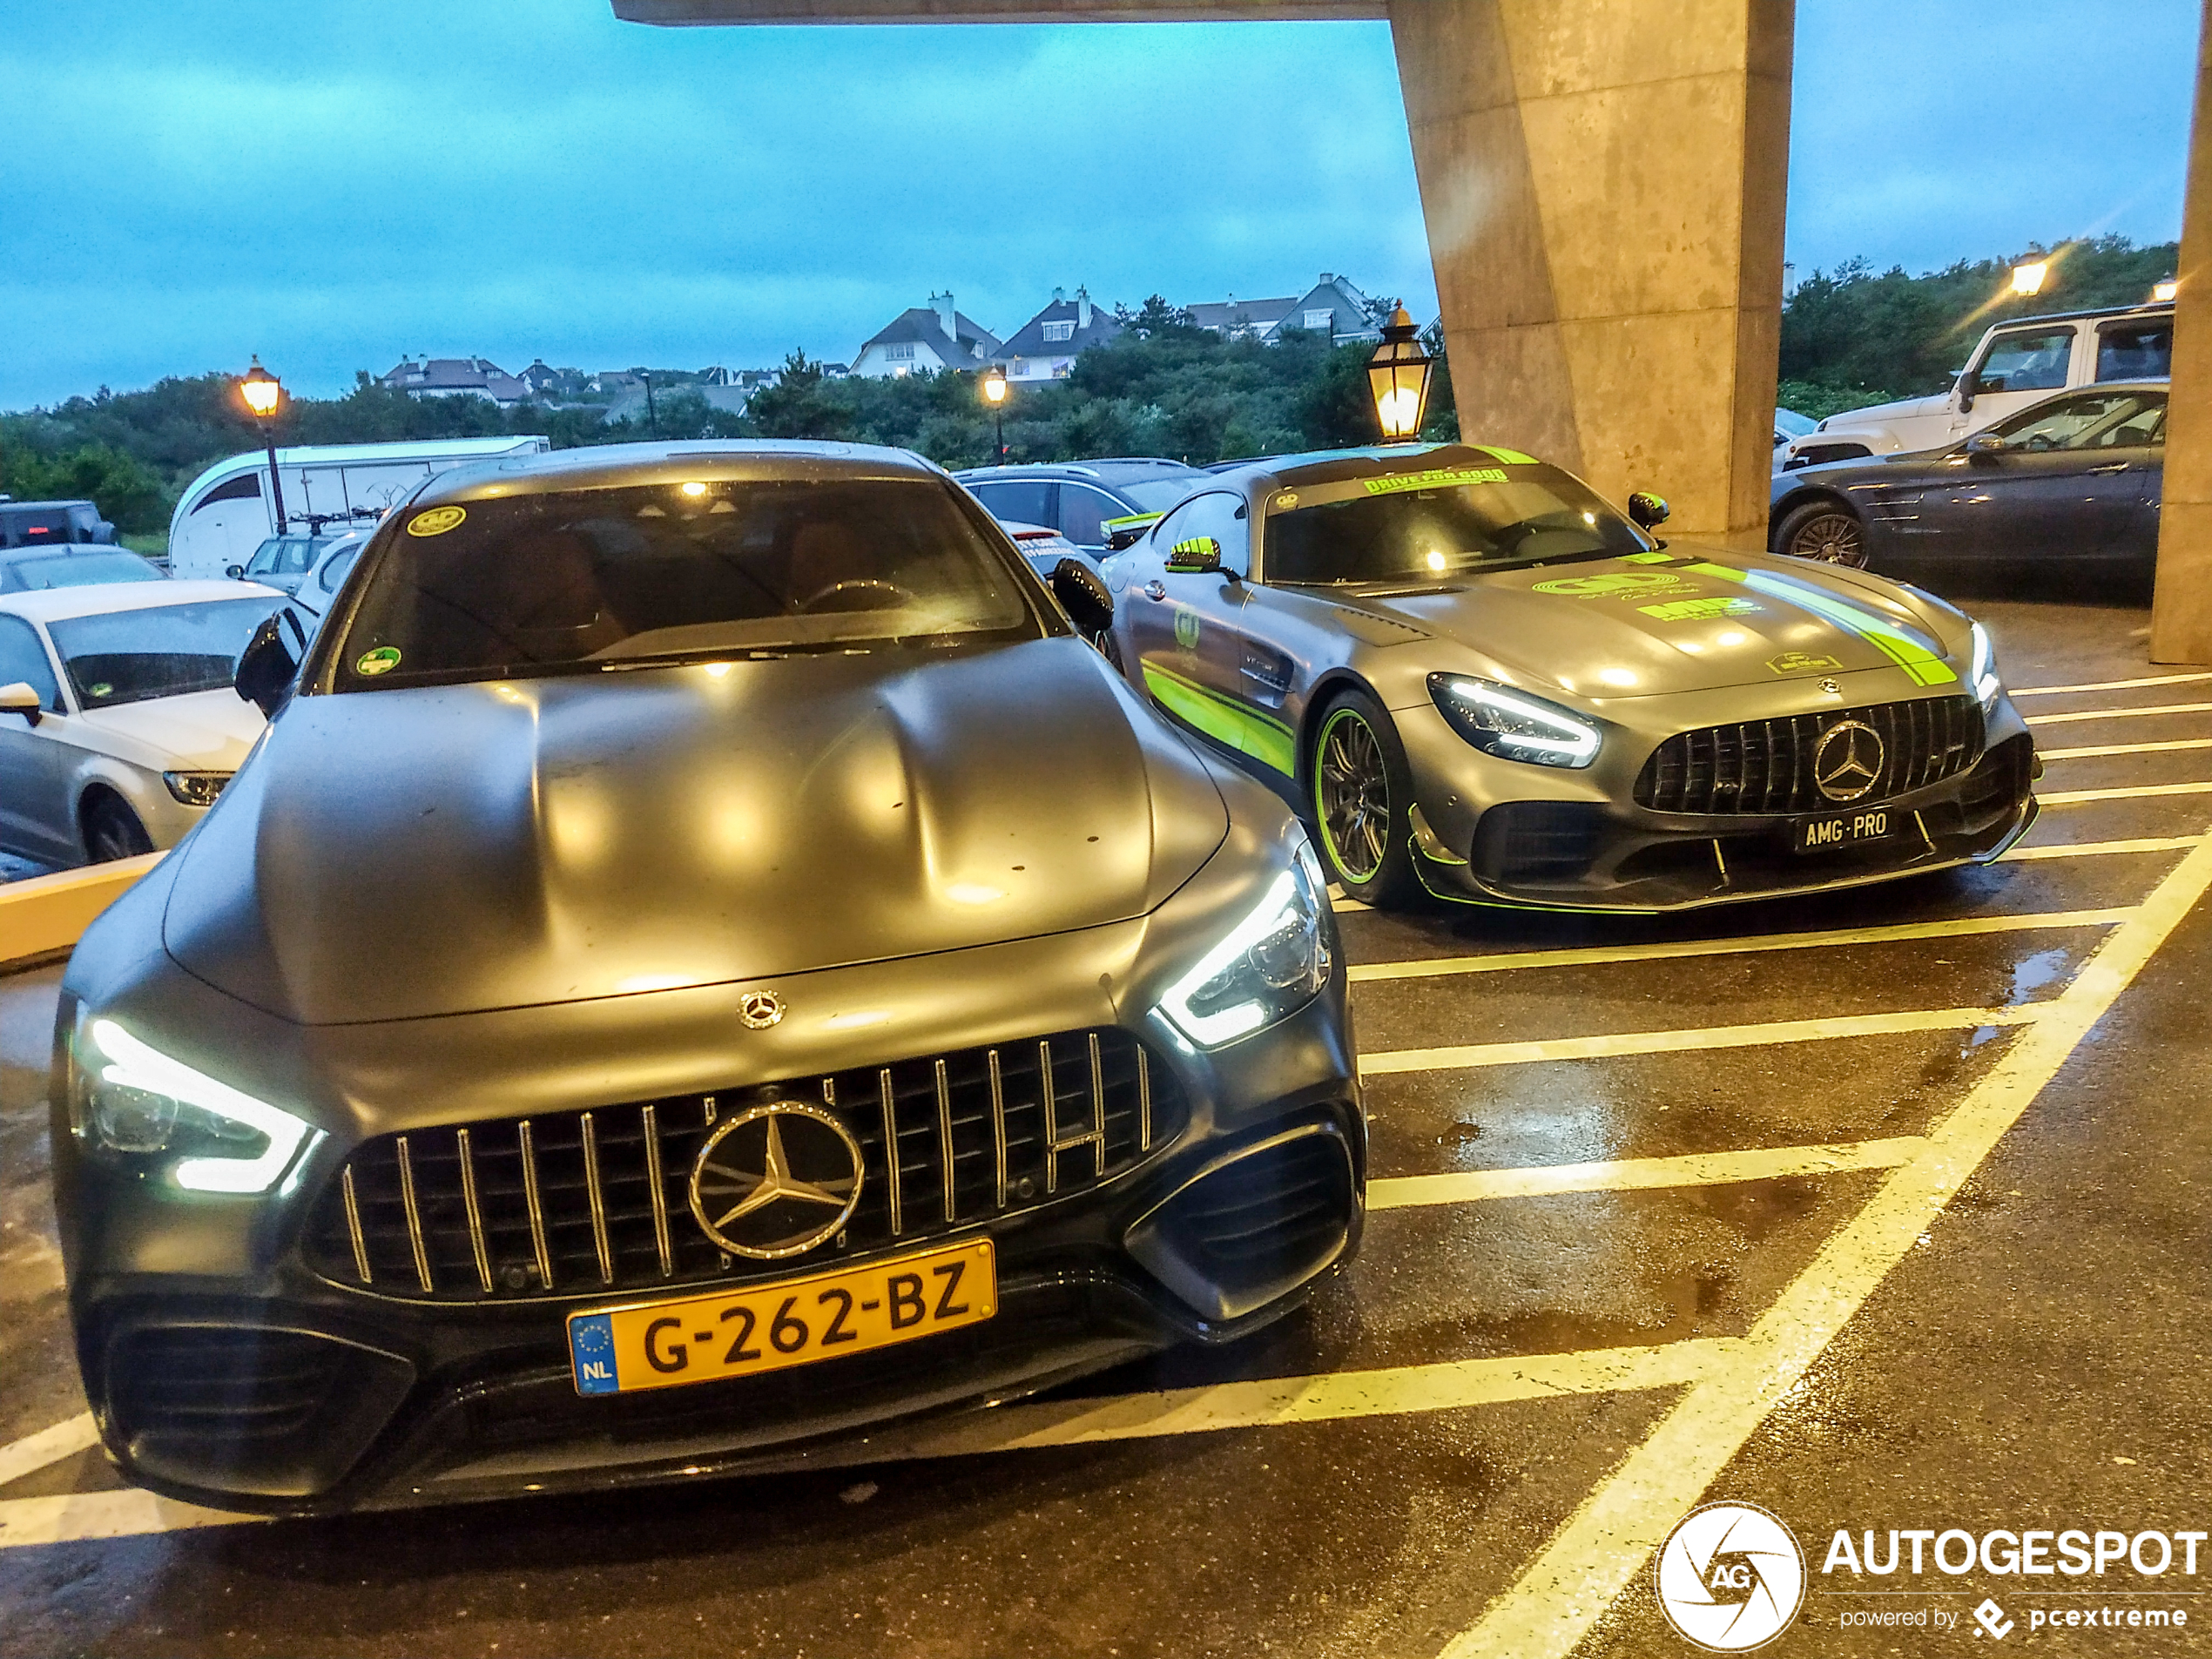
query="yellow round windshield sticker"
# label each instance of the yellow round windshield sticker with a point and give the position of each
(436, 521)
(382, 660)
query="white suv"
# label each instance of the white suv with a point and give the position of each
(2015, 364)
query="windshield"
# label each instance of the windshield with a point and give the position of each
(282, 555)
(1426, 526)
(45, 527)
(83, 570)
(581, 580)
(1158, 494)
(163, 651)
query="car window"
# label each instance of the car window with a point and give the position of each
(580, 580)
(1083, 513)
(2135, 351)
(1023, 500)
(2090, 420)
(1158, 494)
(22, 657)
(282, 555)
(82, 570)
(163, 651)
(1215, 515)
(36, 526)
(334, 572)
(1426, 526)
(2033, 360)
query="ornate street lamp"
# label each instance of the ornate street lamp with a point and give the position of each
(2162, 291)
(2028, 277)
(1398, 373)
(262, 392)
(995, 394)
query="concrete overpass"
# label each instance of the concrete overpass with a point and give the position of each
(1605, 184)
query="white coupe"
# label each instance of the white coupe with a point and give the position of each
(118, 726)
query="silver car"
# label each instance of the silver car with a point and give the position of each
(1478, 680)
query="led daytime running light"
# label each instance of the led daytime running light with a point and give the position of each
(136, 1066)
(1211, 1030)
(1560, 739)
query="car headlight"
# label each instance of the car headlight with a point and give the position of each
(134, 1102)
(1268, 967)
(196, 788)
(1501, 721)
(1982, 672)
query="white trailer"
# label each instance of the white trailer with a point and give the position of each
(226, 512)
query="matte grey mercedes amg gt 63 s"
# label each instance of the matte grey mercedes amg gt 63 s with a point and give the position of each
(704, 960)
(1478, 679)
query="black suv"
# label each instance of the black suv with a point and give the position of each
(1082, 499)
(51, 523)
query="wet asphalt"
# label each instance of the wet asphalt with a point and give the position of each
(2038, 1360)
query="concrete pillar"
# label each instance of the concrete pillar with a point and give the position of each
(2181, 620)
(1604, 183)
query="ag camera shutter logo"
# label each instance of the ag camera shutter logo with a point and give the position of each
(1731, 1577)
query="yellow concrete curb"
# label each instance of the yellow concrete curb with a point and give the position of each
(51, 913)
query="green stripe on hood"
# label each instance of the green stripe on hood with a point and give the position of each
(1910, 651)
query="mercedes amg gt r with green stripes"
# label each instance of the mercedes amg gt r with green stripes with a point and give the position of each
(1481, 682)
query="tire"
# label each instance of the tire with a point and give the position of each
(113, 831)
(1362, 792)
(1826, 532)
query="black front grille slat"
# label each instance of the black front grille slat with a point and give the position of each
(1136, 1089)
(1766, 766)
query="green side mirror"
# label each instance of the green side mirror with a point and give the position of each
(1200, 556)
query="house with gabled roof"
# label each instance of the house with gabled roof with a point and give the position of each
(1335, 307)
(925, 339)
(1046, 347)
(1235, 319)
(456, 377)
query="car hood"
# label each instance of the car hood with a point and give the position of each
(199, 732)
(1688, 619)
(428, 851)
(1905, 409)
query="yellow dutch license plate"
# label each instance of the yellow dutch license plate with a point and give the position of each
(792, 1322)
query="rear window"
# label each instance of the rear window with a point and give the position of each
(580, 581)
(163, 651)
(44, 527)
(81, 570)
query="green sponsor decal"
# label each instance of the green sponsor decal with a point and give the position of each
(1700, 610)
(1511, 457)
(1187, 627)
(1907, 650)
(1129, 520)
(1647, 558)
(1436, 478)
(1228, 722)
(1614, 581)
(382, 660)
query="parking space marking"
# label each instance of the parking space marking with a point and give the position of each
(1637, 1175)
(2132, 792)
(2107, 686)
(2166, 747)
(1600, 956)
(1694, 1039)
(1589, 1560)
(77, 1517)
(2119, 714)
(34, 1451)
(2099, 849)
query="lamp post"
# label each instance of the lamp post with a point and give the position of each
(995, 394)
(1398, 375)
(2163, 293)
(262, 392)
(2028, 276)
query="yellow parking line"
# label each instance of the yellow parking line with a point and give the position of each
(1692, 1039)
(2170, 744)
(1599, 955)
(1634, 1175)
(2097, 849)
(2107, 686)
(2119, 714)
(1606, 1542)
(2133, 791)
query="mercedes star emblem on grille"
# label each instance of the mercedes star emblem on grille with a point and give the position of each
(1834, 688)
(776, 1180)
(759, 1010)
(1848, 763)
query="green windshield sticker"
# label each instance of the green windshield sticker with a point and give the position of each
(1700, 610)
(382, 660)
(1231, 724)
(1907, 650)
(1435, 478)
(1511, 457)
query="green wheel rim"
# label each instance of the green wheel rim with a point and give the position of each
(1351, 796)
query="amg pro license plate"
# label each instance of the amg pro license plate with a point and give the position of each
(1848, 829)
(791, 1322)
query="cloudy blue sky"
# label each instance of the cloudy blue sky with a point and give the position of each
(335, 185)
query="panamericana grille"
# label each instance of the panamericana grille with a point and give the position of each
(1767, 765)
(577, 1202)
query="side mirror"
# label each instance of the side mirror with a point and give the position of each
(1200, 556)
(105, 533)
(1083, 596)
(266, 669)
(234, 571)
(1121, 532)
(20, 697)
(1986, 443)
(1965, 391)
(1650, 512)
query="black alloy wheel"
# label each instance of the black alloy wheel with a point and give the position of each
(1363, 793)
(1826, 532)
(113, 831)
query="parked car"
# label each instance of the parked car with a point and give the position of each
(699, 912)
(1789, 424)
(1482, 682)
(70, 565)
(118, 727)
(1044, 547)
(315, 591)
(2015, 364)
(50, 523)
(2073, 478)
(1083, 500)
(283, 562)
